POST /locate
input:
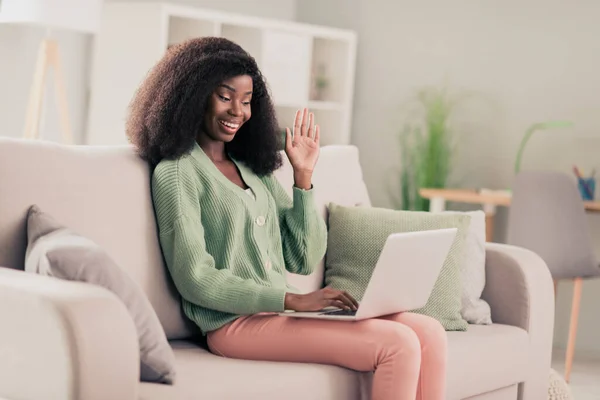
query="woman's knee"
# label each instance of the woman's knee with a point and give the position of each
(400, 340)
(431, 333)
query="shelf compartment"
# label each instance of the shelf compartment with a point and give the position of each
(182, 29)
(330, 66)
(248, 38)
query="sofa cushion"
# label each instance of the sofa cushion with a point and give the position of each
(357, 236)
(54, 250)
(485, 358)
(474, 310)
(202, 375)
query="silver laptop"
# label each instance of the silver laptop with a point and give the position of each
(403, 278)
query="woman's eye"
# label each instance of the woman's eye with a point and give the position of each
(223, 98)
(246, 103)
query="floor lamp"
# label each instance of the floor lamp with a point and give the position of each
(69, 15)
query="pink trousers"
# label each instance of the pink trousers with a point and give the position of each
(406, 351)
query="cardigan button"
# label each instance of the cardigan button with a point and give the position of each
(260, 221)
(268, 265)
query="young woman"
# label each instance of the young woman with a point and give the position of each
(204, 120)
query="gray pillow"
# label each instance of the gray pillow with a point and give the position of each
(54, 250)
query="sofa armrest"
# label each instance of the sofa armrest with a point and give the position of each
(64, 340)
(520, 292)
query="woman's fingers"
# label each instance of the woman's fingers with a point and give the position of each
(338, 304)
(297, 124)
(304, 125)
(352, 299)
(333, 298)
(288, 139)
(311, 129)
(347, 299)
(342, 296)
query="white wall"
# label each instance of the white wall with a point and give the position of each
(18, 52)
(526, 61)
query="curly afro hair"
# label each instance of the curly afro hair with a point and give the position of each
(167, 111)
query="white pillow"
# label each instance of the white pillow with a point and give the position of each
(474, 309)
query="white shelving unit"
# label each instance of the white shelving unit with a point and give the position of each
(134, 36)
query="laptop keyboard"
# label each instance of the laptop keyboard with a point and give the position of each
(340, 312)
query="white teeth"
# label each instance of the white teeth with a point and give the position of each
(230, 125)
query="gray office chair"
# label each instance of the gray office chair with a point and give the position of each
(547, 216)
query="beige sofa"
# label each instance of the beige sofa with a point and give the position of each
(65, 340)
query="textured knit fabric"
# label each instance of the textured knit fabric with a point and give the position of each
(227, 252)
(475, 310)
(558, 389)
(356, 238)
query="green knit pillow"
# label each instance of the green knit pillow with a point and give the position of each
(356, 238)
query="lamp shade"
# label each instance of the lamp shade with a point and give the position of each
(74, 15)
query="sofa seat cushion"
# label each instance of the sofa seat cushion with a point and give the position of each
(202, 375)
(486, 357)
(480, 360)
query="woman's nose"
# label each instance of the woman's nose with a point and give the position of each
(235, 109)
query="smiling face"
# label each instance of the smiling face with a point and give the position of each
(228, 108)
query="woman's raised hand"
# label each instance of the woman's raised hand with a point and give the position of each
(302, 148)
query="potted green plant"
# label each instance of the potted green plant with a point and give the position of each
(426, 146)
(320, 83)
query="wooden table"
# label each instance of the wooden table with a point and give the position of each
(488, 198)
